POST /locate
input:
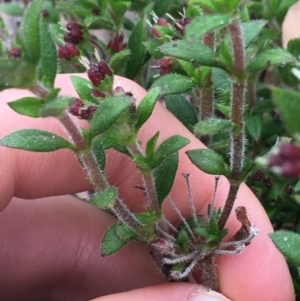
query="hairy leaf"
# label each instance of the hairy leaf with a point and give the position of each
(289, 244)
(107, 113)
(145, 108)
(271, 57)
(83, 88)
(28, 106)
(211, 126)
(288, 103)
(164, 176)
(173, 84)
(182, 109)
(201, 25)
(106, 198)
(209, 161)
(35, 140)
(137, 48)
(196, 52)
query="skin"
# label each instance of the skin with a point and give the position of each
(51, 245)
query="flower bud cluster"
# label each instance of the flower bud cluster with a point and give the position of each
(15, 52)
(98, 71)
(74, 36)
(116, 44)
(286, 161)
(79, 110)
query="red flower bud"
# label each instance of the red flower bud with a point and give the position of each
(74, 26)
(104, 68)
(119, 90)
(97, 93)
(290, 151)
(290, 169)
(45, 13)
(94, 74)
(68, 51)
(164, 66)
(116, 44)
(88, 113)
(15, 52)
(76, 108)
(155, 32)
(162, 22)
(180, 25)
(96, 11)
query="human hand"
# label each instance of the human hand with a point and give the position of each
(51, 247)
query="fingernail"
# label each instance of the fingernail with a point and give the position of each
(206, 295)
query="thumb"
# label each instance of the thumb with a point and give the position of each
(167, 292)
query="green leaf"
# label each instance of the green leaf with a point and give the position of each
(201, 25)
(168, 147)
(118, 60)
(153, 48)
(28, 106)
(254, 125)
(164, 176)
(56, 107)
(108, 112)
(289, 244)
(182, 109)
(35, 140)
(206, 3)
(271, 57)
(47, 65)
(83, 88)
(150, 146)
(99, 153)
(209, 161)
(251, 30)
(173, 84)
(145, 108)
(293, 47)
(98, 22)
(111, 242)
(106, 198)
(288, 104)
(137, 48)
(211, 126)
(161, 7)
(11, 9)
(196, 52)
(29, 32)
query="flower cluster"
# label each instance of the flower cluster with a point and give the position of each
(286, 161)
(98, 71)
(74, 36)
(79, 110)
(116, 44)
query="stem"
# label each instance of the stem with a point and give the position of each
(237, 109)
(206, 94)
(148, 181)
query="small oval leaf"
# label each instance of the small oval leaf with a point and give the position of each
(146, 106)
(289, 244)
(173, 84)
(108, 112)
(268, 58)
(28, 106)
(209, 161)
(164, 176)
(106, 198)
(211, 126)
(36, 141)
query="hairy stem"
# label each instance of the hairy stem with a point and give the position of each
(236, 116)
(148, 181)
(206, 94)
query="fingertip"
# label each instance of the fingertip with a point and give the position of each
(167, 292)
